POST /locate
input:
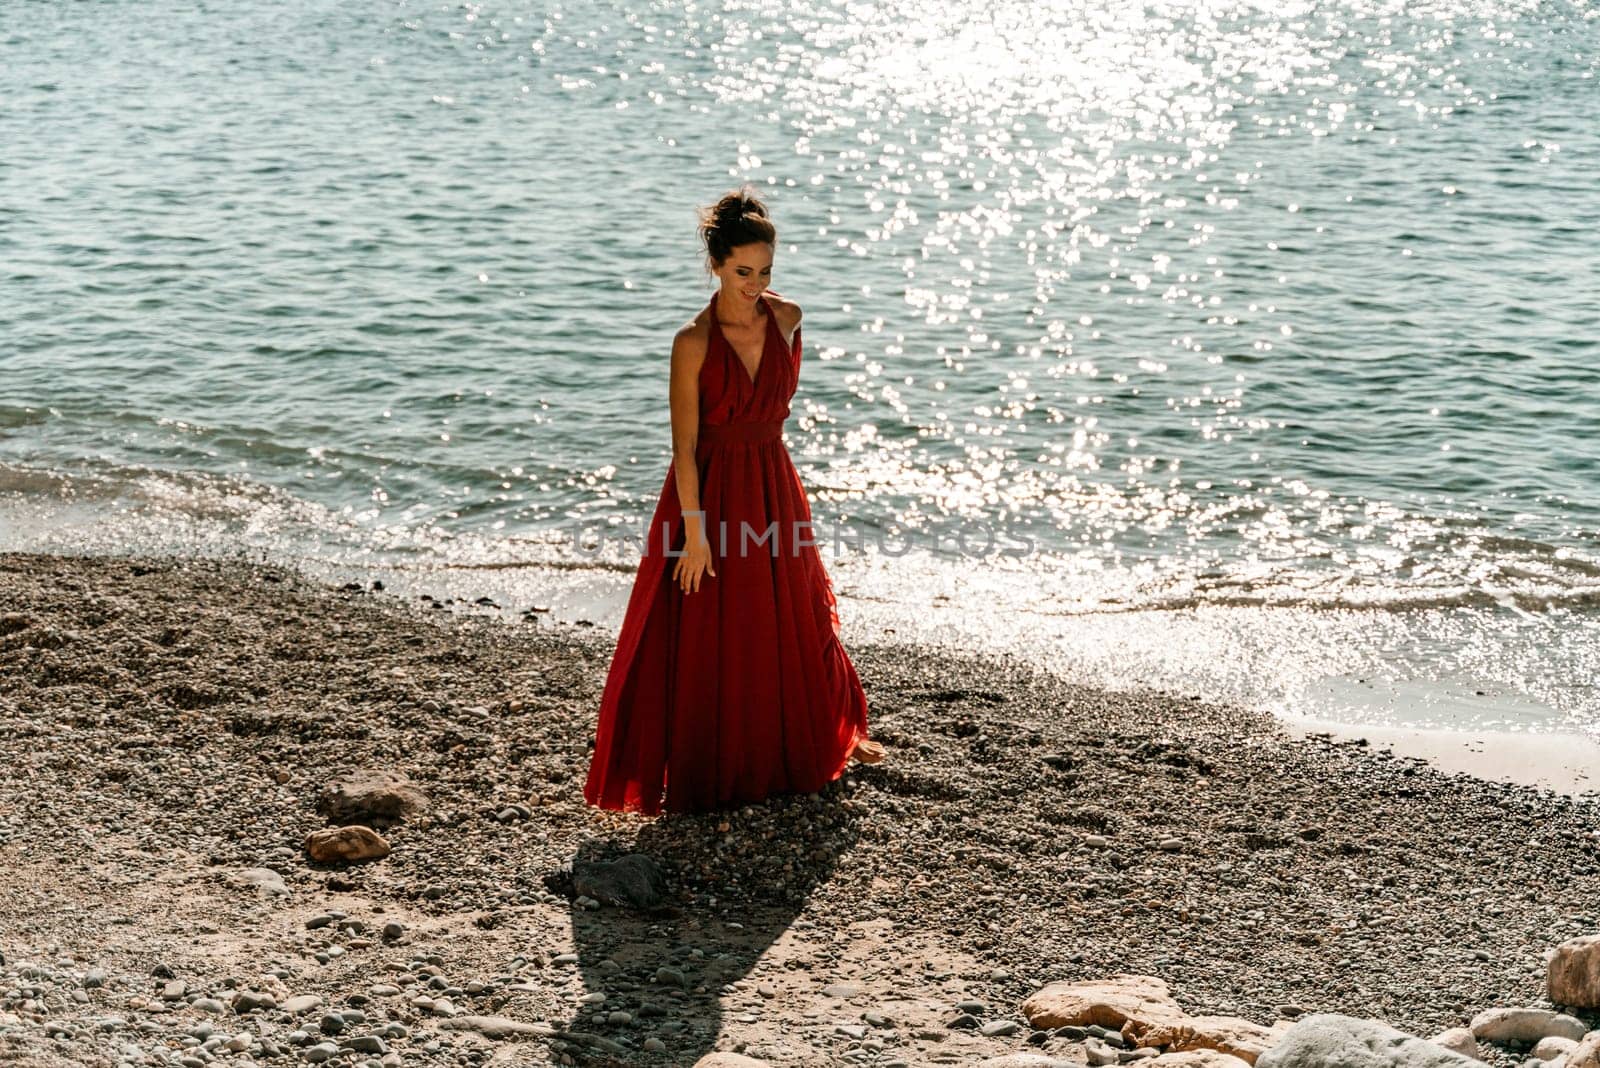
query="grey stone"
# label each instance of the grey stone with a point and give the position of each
(322, 1051)
(599, 1042)
(497, 1026)
(635, 881)
(1000, 1028)
(370, 797)
(250, 1000)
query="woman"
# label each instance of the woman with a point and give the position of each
(728, 683)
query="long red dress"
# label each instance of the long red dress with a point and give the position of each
(740, 689)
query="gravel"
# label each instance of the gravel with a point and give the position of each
(168, 727)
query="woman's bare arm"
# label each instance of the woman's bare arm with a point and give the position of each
(689, 347)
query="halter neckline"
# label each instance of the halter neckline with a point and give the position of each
(772, 322)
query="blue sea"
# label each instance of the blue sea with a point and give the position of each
(1272, 330)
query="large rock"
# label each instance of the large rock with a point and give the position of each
(333, 845)
(634, 880)
(1573, 975)
(1326, 1039)
(1225, 1034)
(1142, 1000)
(1200, 1058)
(728, 1060)
(1587, 1055)
(1458, 1040)
(1548, 1049)
(1525, 1025)
(373, 797)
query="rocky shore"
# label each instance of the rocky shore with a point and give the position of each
(171, 732)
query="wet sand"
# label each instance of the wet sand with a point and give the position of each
(1562, 761)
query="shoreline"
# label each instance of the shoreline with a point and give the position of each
(1422, 720)
(1563, 762)
(171, 724)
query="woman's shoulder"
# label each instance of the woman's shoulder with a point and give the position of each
(787, 311)
(697, 331)
(691, 344)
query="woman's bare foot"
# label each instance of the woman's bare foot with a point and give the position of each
(867, 751)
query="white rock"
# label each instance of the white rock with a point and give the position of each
(1099, 1053)
(264, 879)
(1587, 1055)
(1458, 1040)
(1525, 1025)
(301, 1003)
(1324, 1040)
(1548, 1049)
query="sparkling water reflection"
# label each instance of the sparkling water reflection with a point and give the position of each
(1239, 310)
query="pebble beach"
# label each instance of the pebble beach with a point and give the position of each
(173, 730)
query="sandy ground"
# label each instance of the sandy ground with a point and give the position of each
(166, 727)
(1561, 761)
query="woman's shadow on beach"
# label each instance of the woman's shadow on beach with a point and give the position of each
(724, 899)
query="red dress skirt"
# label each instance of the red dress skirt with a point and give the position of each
(740, 689)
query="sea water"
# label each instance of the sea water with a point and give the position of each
(1272, 331)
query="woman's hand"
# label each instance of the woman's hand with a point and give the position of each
(695, 561)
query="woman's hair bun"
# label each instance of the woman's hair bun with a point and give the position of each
(738, 204)
(737, 218)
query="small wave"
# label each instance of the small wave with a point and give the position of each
(1374, 599)
(153, 510)
(13, 417)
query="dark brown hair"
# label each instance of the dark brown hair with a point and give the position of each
(738, 218)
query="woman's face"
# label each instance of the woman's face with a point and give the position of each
(746, 273)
